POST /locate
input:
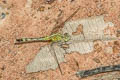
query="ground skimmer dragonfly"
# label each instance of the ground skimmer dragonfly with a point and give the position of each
(74, 36)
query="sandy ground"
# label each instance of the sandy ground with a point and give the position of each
(37, 18)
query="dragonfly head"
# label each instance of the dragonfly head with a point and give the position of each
(66, 37)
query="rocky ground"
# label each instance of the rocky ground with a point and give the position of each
(37, 18)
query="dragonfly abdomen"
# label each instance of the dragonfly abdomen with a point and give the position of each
(24, 40)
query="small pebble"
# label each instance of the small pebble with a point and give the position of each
(4, 1)
(3, 68)
(2, 16)
(49, 1)
(42, 8)
(96, 60)
(118, 33)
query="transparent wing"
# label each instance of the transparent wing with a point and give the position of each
(91, 29)
(45, 60)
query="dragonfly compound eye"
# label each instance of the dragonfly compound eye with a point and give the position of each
(66, 37)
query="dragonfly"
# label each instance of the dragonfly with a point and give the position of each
(69, 36)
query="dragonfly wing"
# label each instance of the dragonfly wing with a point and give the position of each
(92, 25)
(81, 47)
(58, 51)
(92, 29)
(44, 60)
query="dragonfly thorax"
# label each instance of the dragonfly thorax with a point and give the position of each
(60, 37)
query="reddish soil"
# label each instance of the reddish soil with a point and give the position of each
(38, 20)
